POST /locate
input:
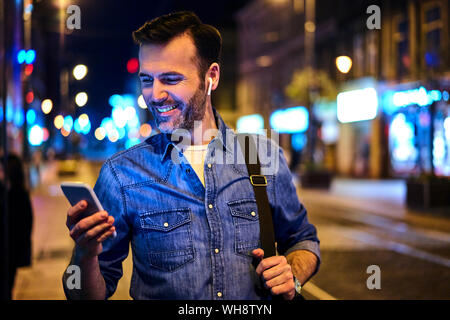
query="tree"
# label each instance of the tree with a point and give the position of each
(307, 87)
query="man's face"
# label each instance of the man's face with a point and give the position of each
(170, 84)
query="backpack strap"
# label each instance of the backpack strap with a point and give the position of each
(259, 183)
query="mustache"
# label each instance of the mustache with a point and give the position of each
(163, 103)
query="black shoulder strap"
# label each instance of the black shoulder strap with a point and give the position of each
(259, 183)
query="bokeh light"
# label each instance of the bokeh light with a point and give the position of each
(100, 133)
(47, 106)
(141, 102)
(36, 135)
(59, 121)
(81, 99)
(80, 71)
(344, 64)
(145, 130)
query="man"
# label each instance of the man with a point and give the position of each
(193, 225)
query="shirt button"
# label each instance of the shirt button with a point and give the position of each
(209, 165)
(219, 294)
(253, 213)
(216, 250)
(188, 170)
(166, 224)
(210, 206)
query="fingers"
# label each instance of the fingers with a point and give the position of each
(258, 253)
(110, 233)
(73, 213)
(97, 232)
(90, 222)
(269, 263)
(287, 289)
(277, 275)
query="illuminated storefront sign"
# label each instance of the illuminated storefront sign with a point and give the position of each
(291, 120)
(419, 96)
(357, 105)
(253, 123)
(410, 130)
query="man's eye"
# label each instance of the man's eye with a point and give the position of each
(172, 80)
(147, 80)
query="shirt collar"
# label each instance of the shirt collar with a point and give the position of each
(225, 136)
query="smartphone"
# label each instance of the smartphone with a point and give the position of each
(77, 191)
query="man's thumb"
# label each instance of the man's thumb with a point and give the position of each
(258, 253)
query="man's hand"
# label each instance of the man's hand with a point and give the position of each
(276, 273)
(88, 233)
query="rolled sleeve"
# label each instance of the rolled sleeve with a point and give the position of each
(293, 231)
(115, 250)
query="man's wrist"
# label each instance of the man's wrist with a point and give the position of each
(82, 256)
(303, 264)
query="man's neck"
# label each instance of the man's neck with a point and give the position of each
(200, 134)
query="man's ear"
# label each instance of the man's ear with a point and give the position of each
(213, 74)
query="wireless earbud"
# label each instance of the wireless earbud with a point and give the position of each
(210, 85)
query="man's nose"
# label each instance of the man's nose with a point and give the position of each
(159, 93)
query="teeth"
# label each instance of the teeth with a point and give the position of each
(166, 109)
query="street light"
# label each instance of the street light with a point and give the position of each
(47, 106)
(58, 122)
(81, 99)
(83, 119)
(100, 133)
(80, 71)
(344, 64)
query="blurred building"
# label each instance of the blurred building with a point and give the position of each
(12, 41)
(400, 126)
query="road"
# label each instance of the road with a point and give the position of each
(412, 250)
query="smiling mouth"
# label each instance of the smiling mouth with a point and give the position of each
(166, 108)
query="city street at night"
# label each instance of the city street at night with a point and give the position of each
(231, 150)
(357, 228)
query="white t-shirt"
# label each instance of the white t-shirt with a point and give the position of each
(195, 154)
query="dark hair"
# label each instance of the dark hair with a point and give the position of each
(206, 38)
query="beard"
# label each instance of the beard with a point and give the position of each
(191, 112)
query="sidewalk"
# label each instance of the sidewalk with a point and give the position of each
(381, 197)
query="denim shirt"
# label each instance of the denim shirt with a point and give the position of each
(189, 241)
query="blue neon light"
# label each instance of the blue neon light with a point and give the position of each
(291, 120)
(31, 116)
(68, 123)
(30, 56)
(253, 123)
(116, 100)
(21, 55)
(419, 96)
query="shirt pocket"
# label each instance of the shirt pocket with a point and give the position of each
(246, 225)
(169, 238)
